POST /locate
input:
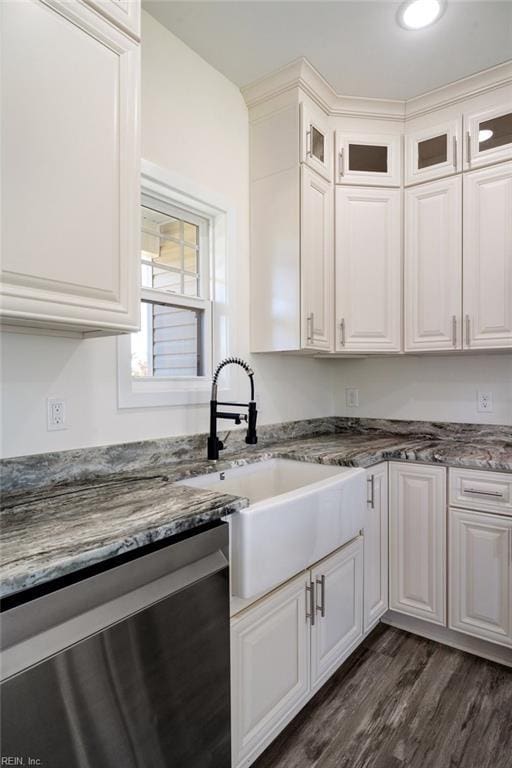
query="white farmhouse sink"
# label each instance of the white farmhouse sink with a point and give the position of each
(298, 513)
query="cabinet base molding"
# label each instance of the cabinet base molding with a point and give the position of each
(449, 637)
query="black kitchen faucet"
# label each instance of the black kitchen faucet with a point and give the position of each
(214, 444)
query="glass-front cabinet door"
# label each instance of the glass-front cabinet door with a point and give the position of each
(316, 139)
(488, 137)
(433, 152)
(372, 159)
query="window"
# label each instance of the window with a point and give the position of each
(175, 303)
(187, 242)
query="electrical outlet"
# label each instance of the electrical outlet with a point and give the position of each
(56, 413)
(352, 397)
(484, 402)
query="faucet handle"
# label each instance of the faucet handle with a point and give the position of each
(251, 437)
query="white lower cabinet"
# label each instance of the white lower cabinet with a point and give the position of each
(338, 627)
(480, 579)
(269, 668)
(287, 644)
(376, 546)
(417, 541)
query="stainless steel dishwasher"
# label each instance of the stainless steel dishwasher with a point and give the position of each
(126, 669)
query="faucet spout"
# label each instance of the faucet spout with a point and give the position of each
(251, 438)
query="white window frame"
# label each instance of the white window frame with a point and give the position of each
(168, 192)
(201, 302)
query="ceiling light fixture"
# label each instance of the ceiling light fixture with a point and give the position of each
(417, 14)
(484, 135)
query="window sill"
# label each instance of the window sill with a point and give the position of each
(157, 392)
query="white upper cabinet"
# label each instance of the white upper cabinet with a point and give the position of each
(432, 152)
(481, 575)
(369, 159)
(368, 270)
(316, 139)
(433, 265)
(487, 294)
(317, 261)
(124, 13)
(417, 541)
(488, 136)
(70, 169)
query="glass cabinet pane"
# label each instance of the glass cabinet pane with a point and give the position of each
(317, 144)
(433, 151)
(368, 158)
(495, 132)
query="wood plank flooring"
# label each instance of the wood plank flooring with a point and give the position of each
(401, 701)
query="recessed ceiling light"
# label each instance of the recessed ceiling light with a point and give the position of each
(484, 135)
(416, 14)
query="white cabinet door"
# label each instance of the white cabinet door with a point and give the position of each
(317, 261)
(70, 167)
(124, 13)
(316, 139)
(433, 151)
(269, 668)
(417, 541)
(487, 258)
(372, 159)
(433, 265)
(488, 136)
(338, 625)
(376, 546)
(368, 270)
(481, 575)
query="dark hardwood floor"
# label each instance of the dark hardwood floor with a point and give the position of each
(401, 701)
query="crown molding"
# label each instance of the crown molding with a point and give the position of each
(466, 88)
(302, 74)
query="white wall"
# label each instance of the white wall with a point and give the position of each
(427, 388)
(195, 123)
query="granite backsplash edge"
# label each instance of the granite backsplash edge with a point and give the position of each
(82, 465)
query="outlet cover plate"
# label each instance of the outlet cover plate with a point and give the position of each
(352, 397)
(56, 414)
(484, 402)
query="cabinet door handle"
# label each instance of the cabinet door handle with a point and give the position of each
(310, 598)
(468, 147)
(371, 488)
(454, 153)
(320, 582)
(494, 494)
(310, 326)
(342, 332)
(454, 330)
(308, 143)
(341, 163)
(468, 331)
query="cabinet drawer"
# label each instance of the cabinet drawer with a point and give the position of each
(474, 489)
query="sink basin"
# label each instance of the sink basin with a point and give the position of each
(298, 513)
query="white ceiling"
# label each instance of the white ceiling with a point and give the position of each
(357, 46)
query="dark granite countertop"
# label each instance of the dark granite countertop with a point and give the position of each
(55, 530)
